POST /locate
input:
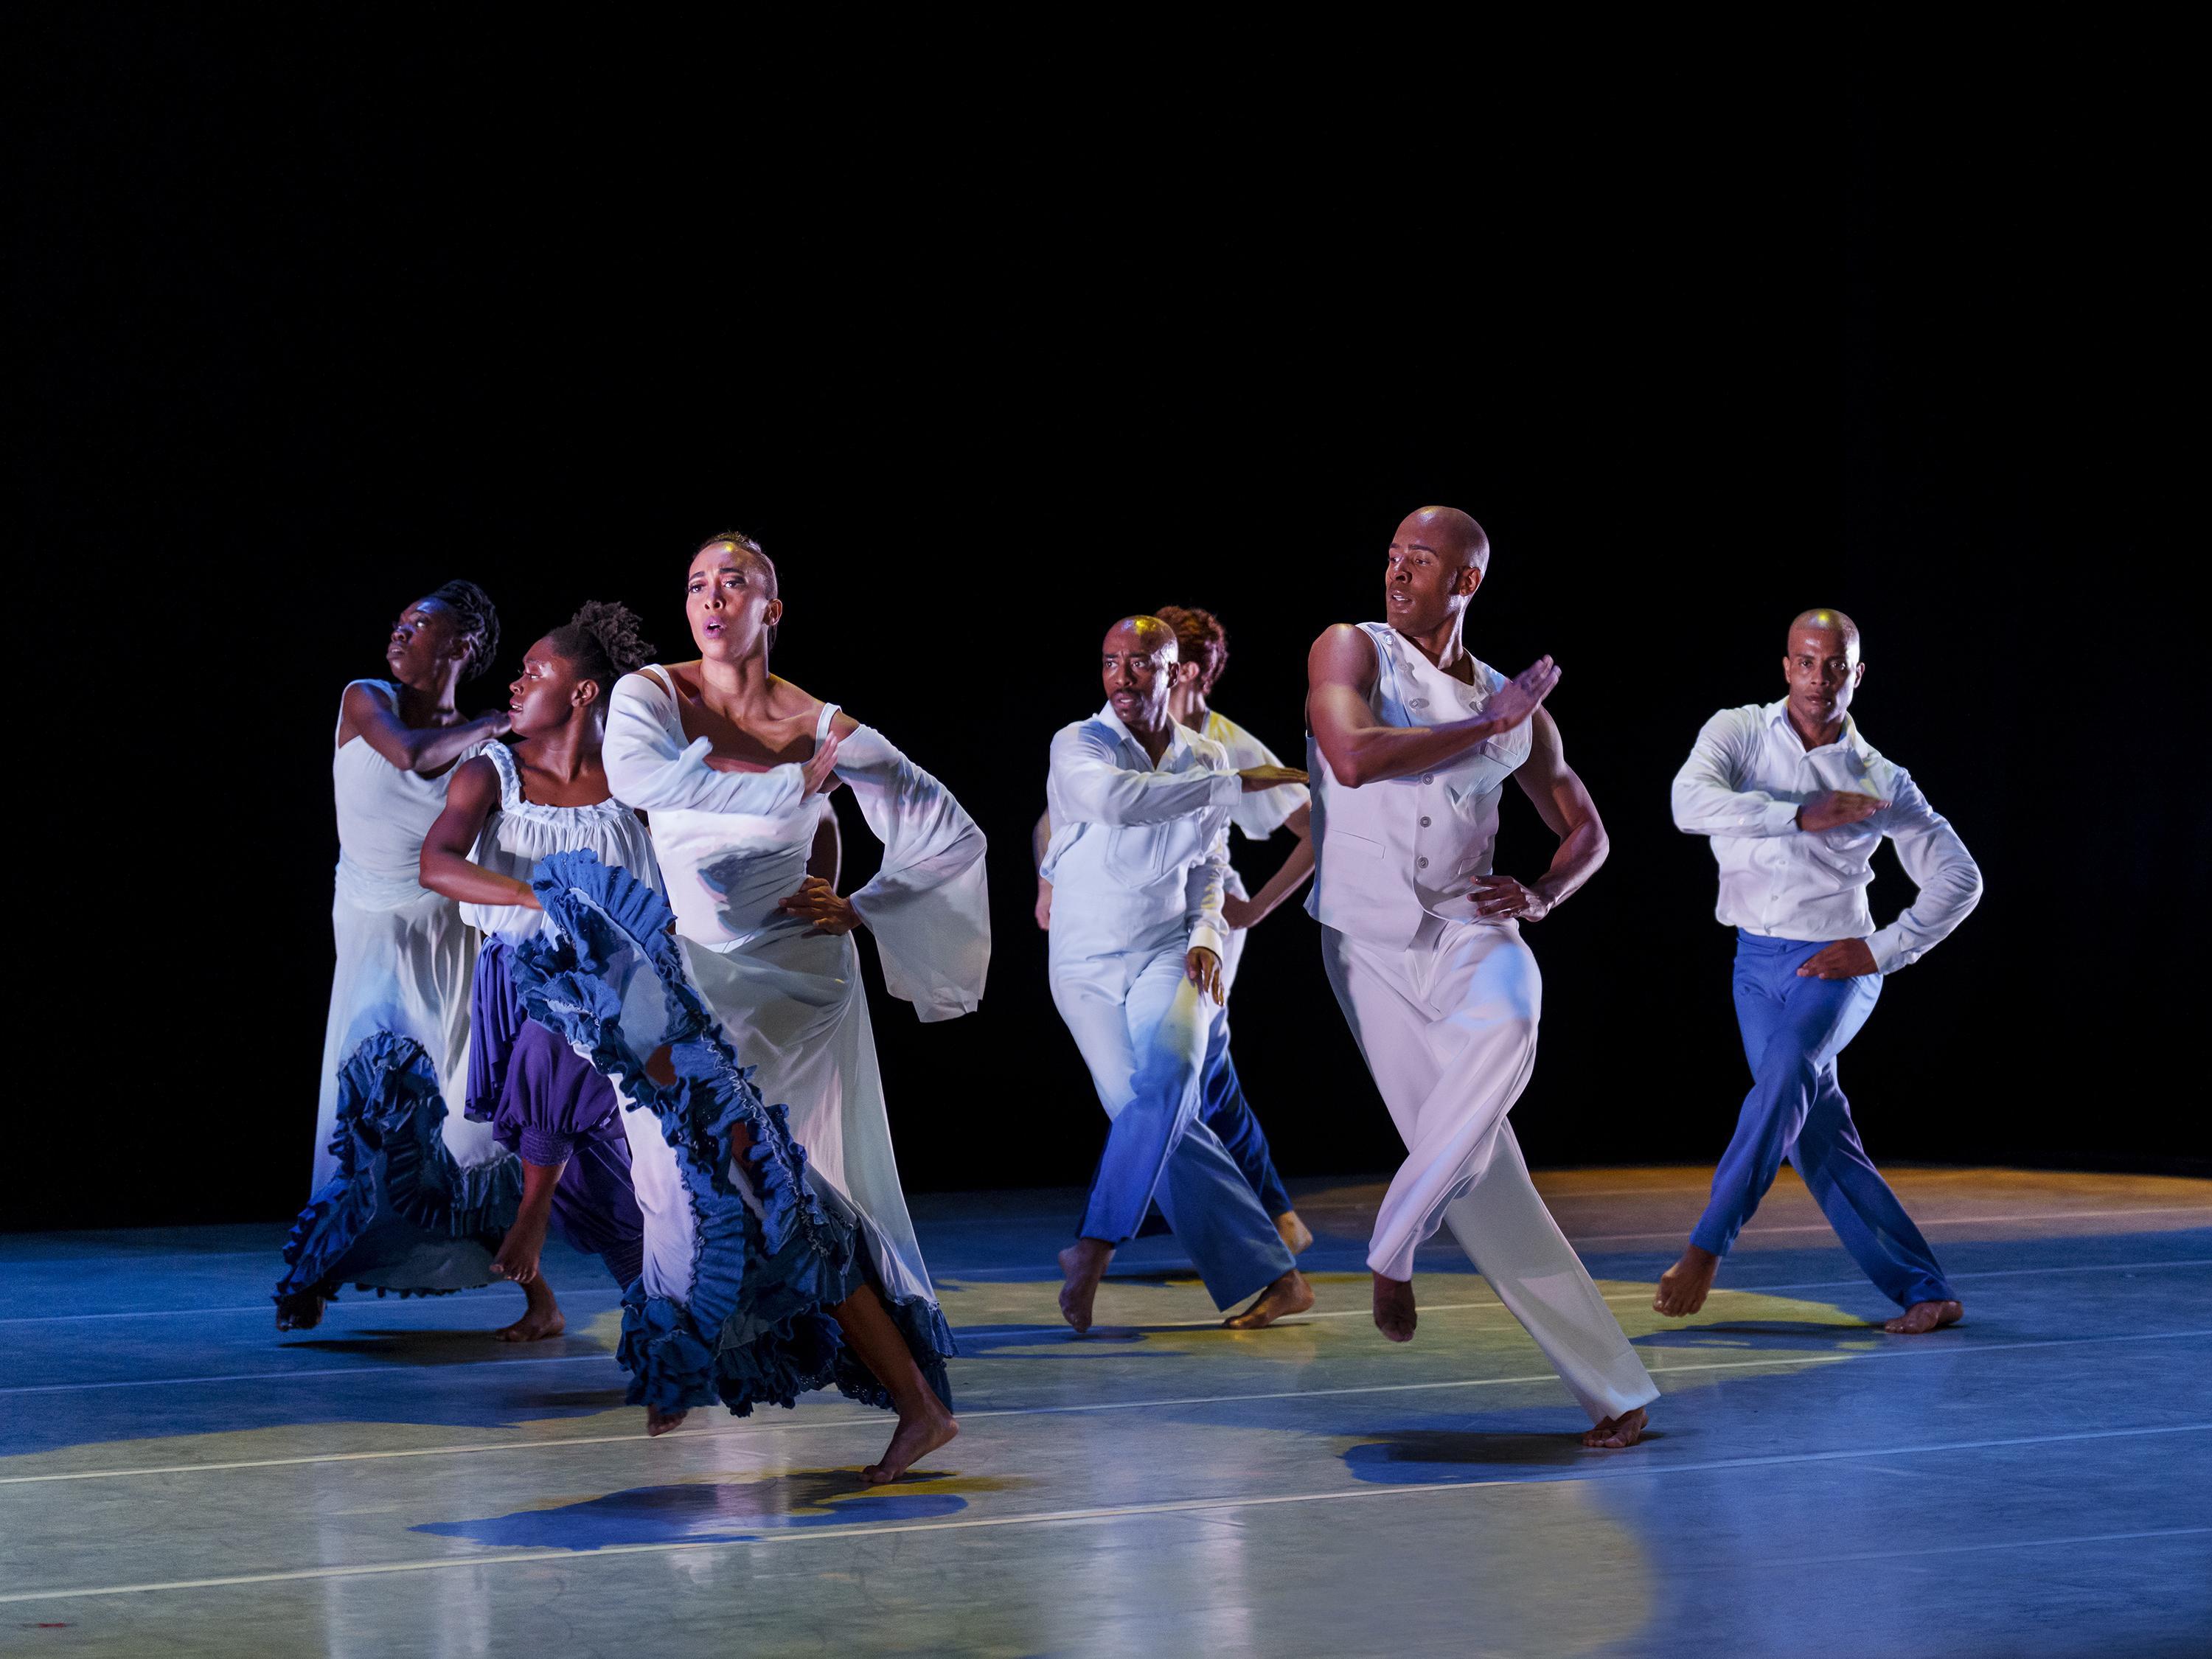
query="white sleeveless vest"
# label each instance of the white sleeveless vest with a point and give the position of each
(1390, 853)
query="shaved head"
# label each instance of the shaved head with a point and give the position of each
(1150, 635)
(1450, 531)
(1827, 622)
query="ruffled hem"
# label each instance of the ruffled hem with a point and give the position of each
(765, 1273)
(392, 1161)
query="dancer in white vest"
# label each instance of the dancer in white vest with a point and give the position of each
(1412, 741)
(1139, 862)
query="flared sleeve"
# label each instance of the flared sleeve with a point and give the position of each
(650, 766)
(928, 906)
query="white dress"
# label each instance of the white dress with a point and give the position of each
(403, 952)
(520, 832)
(730, 844)
(403, 972)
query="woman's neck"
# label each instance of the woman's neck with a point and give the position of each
(567, 753)
(1188, 707)
(432, 704)
(739, 691)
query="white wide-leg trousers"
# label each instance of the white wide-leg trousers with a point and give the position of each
(1448, 1026)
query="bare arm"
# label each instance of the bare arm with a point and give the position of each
(1341, 674)
(1563, 802)
(1286, 880)
(446, 867)
(368, 714)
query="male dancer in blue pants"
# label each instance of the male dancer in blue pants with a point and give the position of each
(1139, 861)
(1202, 652)
(1796, 802)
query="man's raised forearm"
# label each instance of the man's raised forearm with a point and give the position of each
(1376, 753)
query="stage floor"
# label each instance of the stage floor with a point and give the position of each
(177, 1478)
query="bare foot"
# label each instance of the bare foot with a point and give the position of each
(1684, 1286)
(1616, 1432)
(541, 1315)
(302, 1310)
(657, 1421)
(1394, 1308)
(1924, 1317)
(1083, 1264)
(918, 1433)
(1288, 1295)
(1298, 1237)
(517, 1260)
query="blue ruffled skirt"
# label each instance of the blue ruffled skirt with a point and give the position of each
(400, 1215)
(773, 1246)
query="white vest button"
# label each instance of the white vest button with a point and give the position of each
(1424, 823)
(1420, 864)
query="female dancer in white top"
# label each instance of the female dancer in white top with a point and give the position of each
(801, 1266)
(508, 810)
(400, 1002)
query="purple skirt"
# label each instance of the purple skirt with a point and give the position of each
(550, 1106)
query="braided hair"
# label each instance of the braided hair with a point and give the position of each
(738, 539)
(602, 643)
(476, 621)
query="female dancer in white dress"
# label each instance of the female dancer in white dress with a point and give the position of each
(796, 1265)
(507, 809)
(399, 1216)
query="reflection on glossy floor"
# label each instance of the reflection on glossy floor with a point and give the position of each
(176, 1478)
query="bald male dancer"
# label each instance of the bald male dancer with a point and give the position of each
(1201, 654)
(1796, 801)
(1412, 742)
(1139, 862)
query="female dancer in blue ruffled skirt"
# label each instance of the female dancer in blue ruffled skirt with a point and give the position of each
(746, 1030)
(404, 1192)
(508, 810)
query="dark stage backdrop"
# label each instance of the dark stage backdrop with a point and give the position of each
(315, 324)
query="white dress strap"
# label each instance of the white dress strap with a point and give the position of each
(510, 779)
(661, 678)
(822, 726)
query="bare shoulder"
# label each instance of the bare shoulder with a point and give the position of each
(476, 775)
(843, 725)
(1343, 655)
(364, 698)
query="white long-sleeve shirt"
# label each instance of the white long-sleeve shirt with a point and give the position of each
(1134, 846)
(1747, 775)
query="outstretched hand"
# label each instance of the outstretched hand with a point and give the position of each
(1831, 809)
(817, 902)
(1520, 697)
(1269, 777)
(1203, 969)
(1847, 958)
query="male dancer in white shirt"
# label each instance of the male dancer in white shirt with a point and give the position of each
(1201, 654)
(1797, 801)
(1139, 808)
(1412, 741)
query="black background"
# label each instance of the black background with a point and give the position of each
(317, 310)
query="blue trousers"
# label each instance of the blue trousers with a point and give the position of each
(1793, 1031)
(1145, 1033)
(1225, 1110)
